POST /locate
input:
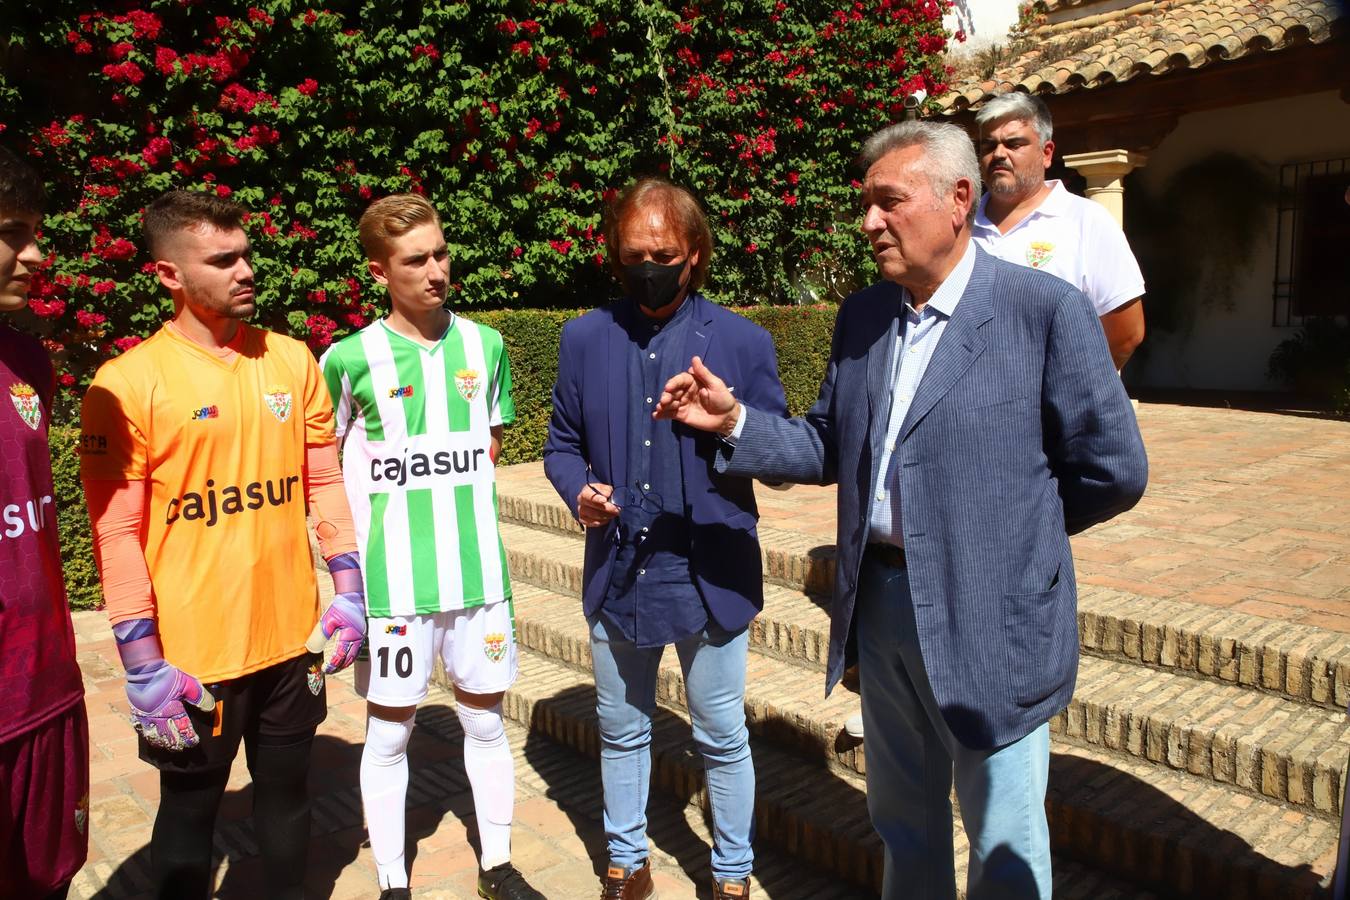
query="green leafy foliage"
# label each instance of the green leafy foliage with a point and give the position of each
(1316, 363)
(801, 335)
(517, 118)
(77, 545)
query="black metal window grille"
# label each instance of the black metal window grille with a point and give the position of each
(1312, 242)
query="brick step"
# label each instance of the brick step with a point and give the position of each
(1181, 835)
(678, 831)
(790, 557)
(1261, 744)
(820, 819)
(785, 703)
(1303, 663)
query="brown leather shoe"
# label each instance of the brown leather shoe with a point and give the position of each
(627, 883)
(731, 888)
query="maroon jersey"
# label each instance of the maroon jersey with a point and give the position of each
(38, 675)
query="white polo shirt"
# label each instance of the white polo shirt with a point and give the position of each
(1073, 239)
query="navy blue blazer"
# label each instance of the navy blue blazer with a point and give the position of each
(589, 428)
(1019, 435)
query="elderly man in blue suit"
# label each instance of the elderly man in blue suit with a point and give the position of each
(672, 556)
(973, 420)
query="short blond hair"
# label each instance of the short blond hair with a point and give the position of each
(392, 217)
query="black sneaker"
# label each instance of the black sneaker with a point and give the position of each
(395, 894)
(504, 882)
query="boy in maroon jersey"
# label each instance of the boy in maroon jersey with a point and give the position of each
(44, 734)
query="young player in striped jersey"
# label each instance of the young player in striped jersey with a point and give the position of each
(421, 398)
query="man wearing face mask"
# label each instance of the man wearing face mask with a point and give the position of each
(672, 555)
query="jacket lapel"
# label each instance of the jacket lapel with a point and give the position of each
(880, 365)
(616, 374)
(699, 333)
(962, 343)
(697, 338)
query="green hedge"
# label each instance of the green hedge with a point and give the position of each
(77, 545)
(801, 335)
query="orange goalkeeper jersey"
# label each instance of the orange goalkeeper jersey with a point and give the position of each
(222, 446)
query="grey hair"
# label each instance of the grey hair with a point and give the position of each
(948, 155)
(1018, 105)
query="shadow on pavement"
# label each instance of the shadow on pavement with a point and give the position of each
(436, 787)
(1282, 403)
(575, 787)
(1117, 822)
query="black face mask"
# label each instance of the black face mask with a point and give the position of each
(651, 284)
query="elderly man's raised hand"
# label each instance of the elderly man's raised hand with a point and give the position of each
(699, 399)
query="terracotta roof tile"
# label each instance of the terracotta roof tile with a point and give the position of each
(1146, 38)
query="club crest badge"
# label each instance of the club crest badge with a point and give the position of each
(1039, 253)
(468, 383)
(278, 400)
(314, 678)
(26, 402)
(494, 646)
(82, 814)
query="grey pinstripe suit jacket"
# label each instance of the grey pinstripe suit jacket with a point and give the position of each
(1019, 435)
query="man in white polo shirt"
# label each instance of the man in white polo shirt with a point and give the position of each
(1027, 220)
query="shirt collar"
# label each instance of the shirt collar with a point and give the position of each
(949, 293)
(1056, 203)
(640, 318)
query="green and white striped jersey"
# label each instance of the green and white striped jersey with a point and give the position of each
(414, 423)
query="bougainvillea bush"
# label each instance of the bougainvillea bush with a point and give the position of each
(518, 119)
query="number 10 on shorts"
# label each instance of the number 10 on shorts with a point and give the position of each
(477, 647)
(402, 654)
(403, 662)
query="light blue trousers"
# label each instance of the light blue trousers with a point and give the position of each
(912, 758)
(625, 698)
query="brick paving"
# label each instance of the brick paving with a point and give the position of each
(1248, 511)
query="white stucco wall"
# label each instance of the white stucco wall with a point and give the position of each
(1228, 349)
(985, 22)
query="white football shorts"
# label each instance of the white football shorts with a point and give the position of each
(477, 646)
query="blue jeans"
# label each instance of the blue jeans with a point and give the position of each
(713, 663)
(911, 759)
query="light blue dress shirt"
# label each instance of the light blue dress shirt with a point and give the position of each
(914, 345)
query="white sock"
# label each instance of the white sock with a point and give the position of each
(492, 776)
(384, 793)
